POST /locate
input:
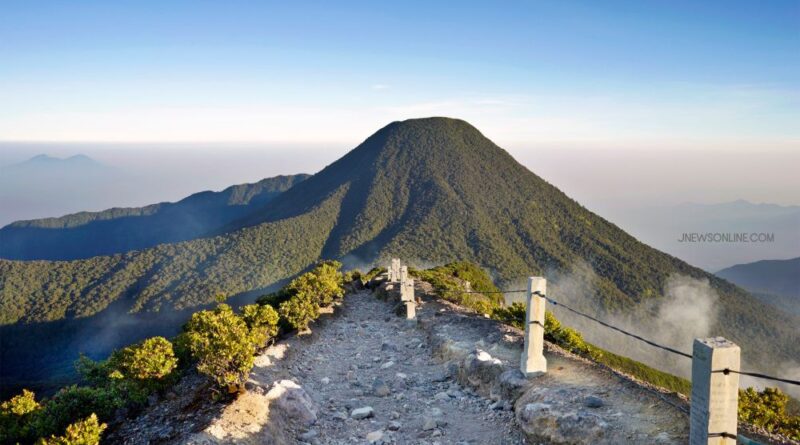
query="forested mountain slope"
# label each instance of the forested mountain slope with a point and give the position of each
(426, 190)
(119, 230)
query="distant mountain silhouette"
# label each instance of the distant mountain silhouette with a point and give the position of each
(426, 190)
(44, 184)
(780, 277)
(774, 281)
(43, 160)
(118, 230)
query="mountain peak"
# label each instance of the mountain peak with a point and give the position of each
(442, 127)
(47, 160)
(434, 122)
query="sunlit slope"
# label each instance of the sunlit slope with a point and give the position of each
(426, 190)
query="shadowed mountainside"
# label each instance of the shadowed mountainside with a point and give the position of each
(119, 230)
(780, 277)
(776, 282)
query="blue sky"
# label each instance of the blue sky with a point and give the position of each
(665, 74)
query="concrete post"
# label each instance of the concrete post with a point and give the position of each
(407, 290)
(394, 271)
(411, 310)
(403, 273)
(533, 361)
(407, 297)
(715, 393)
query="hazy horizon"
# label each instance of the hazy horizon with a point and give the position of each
(212, 95)
(599, 178)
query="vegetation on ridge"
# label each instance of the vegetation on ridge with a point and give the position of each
(433, 190)
(218, 343)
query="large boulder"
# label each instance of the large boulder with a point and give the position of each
(290, 398)
(558, 424)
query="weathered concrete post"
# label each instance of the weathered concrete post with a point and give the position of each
(533, 361)
(407, 297)
(403, 273)
(715, 392)
(394, 270)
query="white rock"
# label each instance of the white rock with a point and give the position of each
(485, 357)
(325, 380)
(288, 396)
(362, 413)
(387, 365)
(375, 436)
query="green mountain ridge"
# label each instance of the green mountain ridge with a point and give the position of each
(118, 230)
(426, 190)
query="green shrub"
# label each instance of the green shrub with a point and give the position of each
(222, 346)
(20, 405)
(299, 311)
(74, 402)
(478, 278)
(15, 418)
(324, 282)
(83, 432)
(133, 372)
(449, 280)
(513, 315)
(767, 409)
(480, 305)
(180, 345)
(299, 302)
(372, 273)
(275, 299)
(352, 276)
(151, 359)
(262, 321)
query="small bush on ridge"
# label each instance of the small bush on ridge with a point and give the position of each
(221, 343)
(262, 321)
(83, 432)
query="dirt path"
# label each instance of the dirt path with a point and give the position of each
(364, 356)
(365, 375)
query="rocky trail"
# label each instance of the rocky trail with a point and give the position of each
(367, 375)
(375, 379)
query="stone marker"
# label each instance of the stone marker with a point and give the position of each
(533, 361)
(407, 297)
(715, 393)
(411, 310)
(407, 290)
(394, 271)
